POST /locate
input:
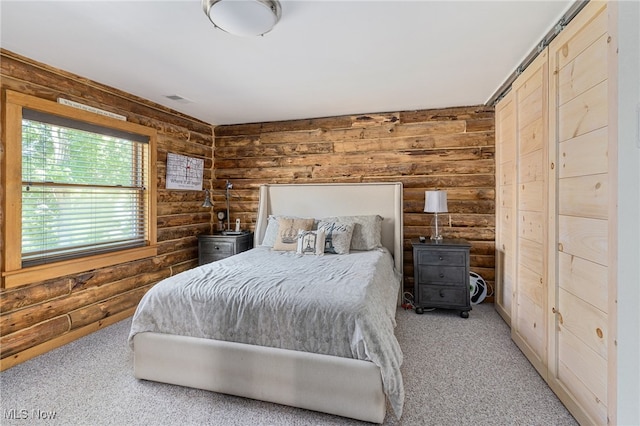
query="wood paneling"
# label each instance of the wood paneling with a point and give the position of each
(586, 196)
(531, 335)
(587, 70)
(583, 278)
(584, 237)
(42, 316)
(588, 152)
(450, 149)
(582, 253)
(529, 322)
(584, 373)
(584, 113)
(584, 321)
(562, 313)
(506, 215)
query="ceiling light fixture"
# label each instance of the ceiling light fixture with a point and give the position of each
(243, 17)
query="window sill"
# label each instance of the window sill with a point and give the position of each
(39, 273)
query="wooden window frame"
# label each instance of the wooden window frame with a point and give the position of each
(13, 274)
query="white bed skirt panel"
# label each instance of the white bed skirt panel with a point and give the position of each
(341, 386)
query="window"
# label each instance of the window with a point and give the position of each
(86, 190)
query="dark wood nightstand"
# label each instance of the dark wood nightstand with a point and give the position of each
(441, 275)
(218, 246)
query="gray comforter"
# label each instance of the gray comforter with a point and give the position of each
(341, 305)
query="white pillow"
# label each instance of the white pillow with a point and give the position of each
(367, 230)
(271, 233)
(311, 242)
(337, 236)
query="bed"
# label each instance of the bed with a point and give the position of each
(321, 374)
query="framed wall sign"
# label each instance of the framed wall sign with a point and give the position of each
(184, 172)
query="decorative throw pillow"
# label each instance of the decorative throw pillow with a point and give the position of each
(271, 233)
(367, 230)
(288, 228)
(337, 236)
(311, 242)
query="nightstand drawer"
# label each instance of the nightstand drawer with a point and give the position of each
(444, 257)
(433, 296)
(244, 245)
(446, 275)
(213, 257)
(215, 247)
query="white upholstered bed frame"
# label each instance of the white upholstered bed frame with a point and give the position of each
(334, 385)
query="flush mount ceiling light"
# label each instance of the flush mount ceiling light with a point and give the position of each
(243, 17)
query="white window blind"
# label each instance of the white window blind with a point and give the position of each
(83, 189)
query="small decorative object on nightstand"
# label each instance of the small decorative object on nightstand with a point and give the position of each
(441, 275)
(218, 246)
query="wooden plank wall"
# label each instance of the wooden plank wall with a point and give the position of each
(450, 149)
(39, 317)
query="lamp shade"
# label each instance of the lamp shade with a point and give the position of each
(207, 199)
(435, 202)
(243, 17)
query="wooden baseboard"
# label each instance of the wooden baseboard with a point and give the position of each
(33, 352)
(506, 316)
(567, 399)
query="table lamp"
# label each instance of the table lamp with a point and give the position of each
(435, 202)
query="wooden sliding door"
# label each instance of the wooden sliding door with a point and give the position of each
(528, 325)
(521, 213)
(505, 205)
(556, 162)
(580, 367)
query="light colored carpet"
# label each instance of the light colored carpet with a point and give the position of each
(456, 372)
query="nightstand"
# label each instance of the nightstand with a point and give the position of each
(218, 246)
(441, 275)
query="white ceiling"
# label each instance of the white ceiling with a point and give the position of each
(323, 58)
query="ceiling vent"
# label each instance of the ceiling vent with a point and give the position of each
(179, 99)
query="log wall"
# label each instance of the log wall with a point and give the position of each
(450, 149)
(42, 316)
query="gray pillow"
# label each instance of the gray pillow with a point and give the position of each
(337, 239)
(367, 230)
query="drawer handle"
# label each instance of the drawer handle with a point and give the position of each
(441, 293)
(441, 259)
(441, 275)
(216, 247)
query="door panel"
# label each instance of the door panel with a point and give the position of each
(505, 205)
(579, 368)
(529, 329)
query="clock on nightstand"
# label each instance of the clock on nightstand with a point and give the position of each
(222, 216)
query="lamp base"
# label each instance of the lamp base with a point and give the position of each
(436, 229)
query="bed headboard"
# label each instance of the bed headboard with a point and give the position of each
(337, 199)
